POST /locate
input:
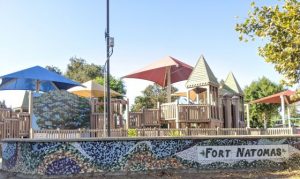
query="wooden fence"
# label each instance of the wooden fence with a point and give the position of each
(158, 132)
(13, 125)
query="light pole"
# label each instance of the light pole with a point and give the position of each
(107, 65)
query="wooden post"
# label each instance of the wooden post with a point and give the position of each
(177, 117)
(235, 101)
(208, 101)
(58, 132)
(30, 111)
(248, 115)
(188, 96)
(187, 131)
(128, 115)
(218, 131)
(289, 116)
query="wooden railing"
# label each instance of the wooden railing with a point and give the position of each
(13, 125)
(193, 113)
(76, 133)
(158, 132)
(185, 112)
(151, 117)
(145, 118)
(97, 121)
(135, 120)
(4, 113)
(24, 126)
(169, 111)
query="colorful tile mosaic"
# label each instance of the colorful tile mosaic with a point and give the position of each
(65, 158)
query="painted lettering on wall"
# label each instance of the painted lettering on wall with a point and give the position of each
(243, 152)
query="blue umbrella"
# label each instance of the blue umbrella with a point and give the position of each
(36, 79)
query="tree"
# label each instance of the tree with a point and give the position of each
(258, 89)
(54, 69)
(115, 84)
(150, 96)
(280, 26)
(79, 70)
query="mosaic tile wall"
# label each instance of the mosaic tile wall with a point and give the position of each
(64, 158)
(61, 109)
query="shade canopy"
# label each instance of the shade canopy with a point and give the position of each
(275, 98)
(158, 71)
(91, 89)
(36, 78)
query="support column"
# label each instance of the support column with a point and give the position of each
(177, 117)
(228, 115)
(30, 111)
(235, 101)
(128, 115)
(289, 116)
(208, 102)
(248, 115)
(282, 110)
(188, 96)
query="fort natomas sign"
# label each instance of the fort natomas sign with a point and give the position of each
(242, 152)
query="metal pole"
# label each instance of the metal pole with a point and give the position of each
(108, 73)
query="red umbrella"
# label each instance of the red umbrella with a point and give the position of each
(164, 72)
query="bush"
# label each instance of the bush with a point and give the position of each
(175, 133)
(132, 133)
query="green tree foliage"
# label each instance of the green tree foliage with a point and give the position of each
(150, 96)
(54, 69)
(115, 84)
(280, 26)
(259, 89)
(79, 70)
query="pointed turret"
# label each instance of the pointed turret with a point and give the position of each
(232, 85)
(201, 75)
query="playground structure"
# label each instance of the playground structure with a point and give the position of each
(216, 104)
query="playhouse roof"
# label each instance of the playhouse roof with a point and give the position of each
(232, 85)
(201, 75)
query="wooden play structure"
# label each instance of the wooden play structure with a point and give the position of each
(215, 104)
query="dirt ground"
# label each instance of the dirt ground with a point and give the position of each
(178, 175)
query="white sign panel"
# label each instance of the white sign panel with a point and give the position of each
(242, 152)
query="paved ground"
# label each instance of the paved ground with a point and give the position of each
(202, 174)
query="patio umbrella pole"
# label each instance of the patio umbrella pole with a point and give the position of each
(169, 85)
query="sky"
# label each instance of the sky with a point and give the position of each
(49, 32)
